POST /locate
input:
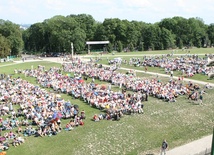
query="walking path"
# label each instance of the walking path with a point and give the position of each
(197, 147)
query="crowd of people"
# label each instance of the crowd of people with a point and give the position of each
(39, 114)
(145, 87)
(40, 111)
(98, 96)
(188, 65)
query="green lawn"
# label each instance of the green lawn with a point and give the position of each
(179, 123)
(176, 51)
(5, 63)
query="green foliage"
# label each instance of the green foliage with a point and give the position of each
(120, 46)
(56, 34)
(131, 47)
(78, 38)
(109, 47)
(4, 47)
(13, 34)
(210, 33)
(141, 46)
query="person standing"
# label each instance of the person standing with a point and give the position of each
(171, 73)
(164, 147)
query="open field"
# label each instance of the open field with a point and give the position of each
(5, 63)
(178, 122)
(175, 51)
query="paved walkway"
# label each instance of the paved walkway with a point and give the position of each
(197, 147)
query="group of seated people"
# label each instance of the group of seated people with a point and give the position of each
(40, 111)
(188, 65)
(93, 94)
(74, 123)
(10, 138)
(154, 87)
(43, 110)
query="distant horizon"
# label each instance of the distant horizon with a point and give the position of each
(109, 18)
(149, 11)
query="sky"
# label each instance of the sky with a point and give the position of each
(149, 11)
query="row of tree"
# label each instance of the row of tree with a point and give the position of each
(57, 33)
(11, 42)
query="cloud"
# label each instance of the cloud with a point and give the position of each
(137, 4)
(30, 11)
(55, 4)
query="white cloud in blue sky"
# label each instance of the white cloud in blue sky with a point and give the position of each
(150, 11)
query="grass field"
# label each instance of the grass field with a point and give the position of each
(179, 123)
(176, 51)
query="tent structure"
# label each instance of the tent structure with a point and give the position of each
(95, 43)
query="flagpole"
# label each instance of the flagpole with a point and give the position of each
(212, 147)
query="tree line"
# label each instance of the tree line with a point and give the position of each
(57, 33)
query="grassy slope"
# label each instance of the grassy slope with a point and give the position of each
(178, 122)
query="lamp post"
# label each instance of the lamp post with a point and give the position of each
(72, 49)
(212, 147)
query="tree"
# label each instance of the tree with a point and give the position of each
(152, 37)
(167, 39)
(87, 23)
(13, 34)
(133, 34)
(110, 47)
(210, 33)
(4, 47)
(110, 26)
(100, 33)
(34, 37)
(120, 46)
(141, 46)
(78, 38)
(56, 34)
(131, 47)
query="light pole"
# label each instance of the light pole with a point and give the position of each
(72, 49)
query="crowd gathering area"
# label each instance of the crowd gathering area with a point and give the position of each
(40, 111)
(188, 65)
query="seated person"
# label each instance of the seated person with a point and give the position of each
(82, 114)
(3, 147)
(20, 139)
(68, 127)
(96, 118)
(11, 135)
(15, 142)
